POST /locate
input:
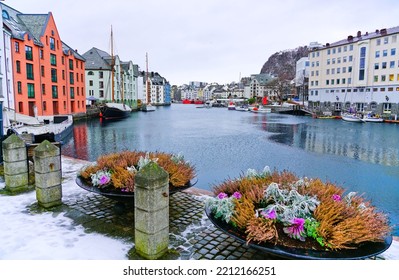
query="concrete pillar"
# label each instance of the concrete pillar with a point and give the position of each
(15, 164)
(47, 158)
(151, 213)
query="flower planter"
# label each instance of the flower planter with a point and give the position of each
(295, 218)
(120, 196)
(364, 251)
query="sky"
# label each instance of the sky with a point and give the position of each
(208, 40)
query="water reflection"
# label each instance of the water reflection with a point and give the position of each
(373, 143)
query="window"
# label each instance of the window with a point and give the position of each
(338, 60)
(343, 69)
(43, 89)
(101, 74)
(70, 64)
(91, 83)
(53, 75)
(384, 65)
(329, 51)
(71, 80)
(54, 91)
(328, 72)
(41, 54)
(376, 66)
(362, 63)
(333, 61)
(350, 47)
(385, 53)
(44, 106)
(53, 59)
(378, 42)
(42, 70)
(393, 51)
(328, 61)
(101, 84)
(62, 60)
(31, 91)
(90, 73)
(394, 38)
(52, 44)
(377, 54)
(345, 48)
(28, 53)
(392, 64)
(18, 66)
(327, 82)
(350, 58)
(343, 82)
(338, 70)
(375, 78)
(391, 77)
(16, 46)
(29, 71)
(386, 40)
(19, 86)
(383, 78)
(72, 92)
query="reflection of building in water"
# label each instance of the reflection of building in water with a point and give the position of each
(80, 140)
(352, 146)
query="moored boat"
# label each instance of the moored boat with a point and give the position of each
(352, 118)
(373, 118)
(231, 106)
(114, 110)
(261, 110)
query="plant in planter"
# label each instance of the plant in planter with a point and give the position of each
(116, 171)
(280, 209)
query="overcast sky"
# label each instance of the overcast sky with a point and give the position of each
(208, 40)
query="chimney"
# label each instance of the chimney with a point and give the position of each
(328, 44)
(359, 34)
(383, 31)
(377, 31)
(350, 38)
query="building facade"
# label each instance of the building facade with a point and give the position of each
(48, 75)
(99, 84)
(360, 72)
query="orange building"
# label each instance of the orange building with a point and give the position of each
(48, 76)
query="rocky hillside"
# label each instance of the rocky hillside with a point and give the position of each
(282, 64)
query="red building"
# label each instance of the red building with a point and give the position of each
(48, 75)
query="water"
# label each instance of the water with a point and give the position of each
(223, 144)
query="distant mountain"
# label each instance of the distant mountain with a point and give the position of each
(282, 64)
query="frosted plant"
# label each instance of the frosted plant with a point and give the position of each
(222, 206)
(179, 158)
(143, 161)
(131, 169)
(254, 173)
(288, 204)
(101, 178)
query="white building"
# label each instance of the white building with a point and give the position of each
(360, 71)
(99, 78)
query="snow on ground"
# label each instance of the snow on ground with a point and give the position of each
(49, 236)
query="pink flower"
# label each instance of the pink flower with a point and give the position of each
(222, 195)
(237, 195)
(104, 180)
(336, 197)
(296, 230)
(270, 215)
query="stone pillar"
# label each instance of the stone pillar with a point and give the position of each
(151, 211)
(16, 170)
(47, 158)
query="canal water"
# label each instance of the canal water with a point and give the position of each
(223, 144)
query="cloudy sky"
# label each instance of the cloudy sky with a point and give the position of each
(208, 40)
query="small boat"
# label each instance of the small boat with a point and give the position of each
(373, 118)
(231, 106)
(148, 107)
(352, 118)
(241, 108)
(261, 110)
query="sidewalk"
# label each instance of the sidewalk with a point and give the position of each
(192, 235)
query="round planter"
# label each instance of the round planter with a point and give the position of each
(364, 251)
(122, 196)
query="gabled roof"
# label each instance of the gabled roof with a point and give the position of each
(97, 59)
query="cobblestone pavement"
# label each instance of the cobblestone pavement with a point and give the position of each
(192, 235)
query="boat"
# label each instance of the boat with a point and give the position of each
(352, 118)
(148, 107)
(51, 128)
(231, 106)
(261, 110)
(241, 108)
(114, 110)
(373, 118)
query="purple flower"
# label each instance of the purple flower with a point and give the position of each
(270, 215)
(104, 180)
(336, 197)
(222, 195)
(237, 195)
(296, 230)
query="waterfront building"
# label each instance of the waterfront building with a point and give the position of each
(47, 74)
(159, 89)
(359, 72)
(302, 78)
(260, 85)
(99, 74)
